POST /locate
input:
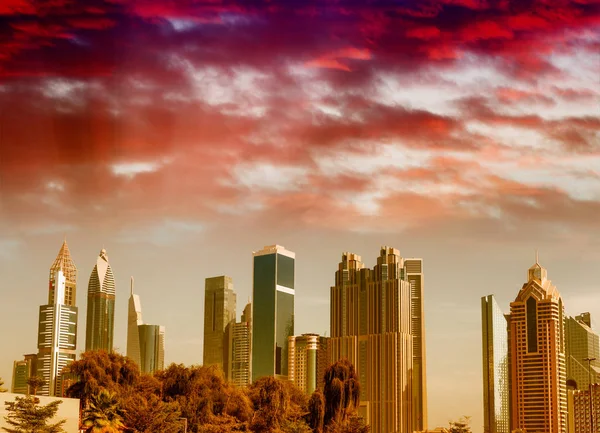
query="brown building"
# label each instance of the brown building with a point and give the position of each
(307, 361)
(239, 341)
(219, 312)
(371, 326)
(537, 352)
(581, 409)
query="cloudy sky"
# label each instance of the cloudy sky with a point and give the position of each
(181, 136)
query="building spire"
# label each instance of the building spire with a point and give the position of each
(132, 285)
(537, 257)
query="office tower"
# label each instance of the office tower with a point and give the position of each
(22, 371)
(240, 343)
(134, 319)
(414, 274)
(152, 347)
(307, 361)
(57, 326)
(496, 383)
(272, 310)
(537, 347)
(219, 312)
(100, 306)
(584, 412)
(581, 343)
(371, 327)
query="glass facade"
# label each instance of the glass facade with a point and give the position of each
(273, 312)
(496, 383)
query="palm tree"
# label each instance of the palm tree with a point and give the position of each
(103, 414)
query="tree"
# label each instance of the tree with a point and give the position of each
(103, 414)
(461, 426)
(1, 388)
(316, 411)
(35, 383)
(150, 414)
(26, 415)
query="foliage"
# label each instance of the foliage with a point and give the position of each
(149, 414)
(1, 388)
(103, 414)
(461, 426)
(35, 383)
(26, 415)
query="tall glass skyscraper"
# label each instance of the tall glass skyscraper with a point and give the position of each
(273, 310)
(100, 306)
(57, 326)
(582, 342)
(219, 312)
(496, 382)
(134, 320)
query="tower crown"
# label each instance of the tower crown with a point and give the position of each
(64, 263)
(537, 272)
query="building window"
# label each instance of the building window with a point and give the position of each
(531, 325)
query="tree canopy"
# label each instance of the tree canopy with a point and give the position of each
(26, 415)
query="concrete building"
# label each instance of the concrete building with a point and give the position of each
(272, 310)
(581, 410)
(239, 337)
(496, 371)
(22, 371)
(581, 343)
(414, 274)
(219, 313)
(307, 361)
(371, 326)
(57, 325)
(67, 410)
(537, 354)
(100, 306)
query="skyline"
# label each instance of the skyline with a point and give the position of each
(188, 358)
(182, 137)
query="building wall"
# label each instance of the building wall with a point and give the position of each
(100, 306)
(582, 408)
(581, 343)
(151, 347)
(67, 410)
(496, 383)
(219, 312)
(307, 361)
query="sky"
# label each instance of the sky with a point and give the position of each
(181, 136)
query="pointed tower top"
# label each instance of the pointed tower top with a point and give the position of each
(132, 285)
(537, 257)
(64, 263)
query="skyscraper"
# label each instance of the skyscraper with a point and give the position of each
(273, 310)
(414, 274)
(100, 306)
(134, 319)
(240, 343)
(219, 312)
(371, 326)
(22, 371)
(537, 350)
(496, 383)
(307, 361)
(583, 411)
(152, 347)
(581, 343)
(57, 326)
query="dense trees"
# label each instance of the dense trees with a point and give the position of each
(26, 415)
(111, 386)
(1, 388)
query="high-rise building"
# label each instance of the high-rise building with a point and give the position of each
(239, 336)
(152, 347)
(581, 343)
(57, 326)
(22, 371)
(134, 319)
(583, 411)
(307, 361)
(100, 306)
(537, 351)
(496, 382)
(272, 310)
(371, 327)
(414, 274)
(145, 343)
(219, 312)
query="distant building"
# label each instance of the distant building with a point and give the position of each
(239, 337)
(57, 325)
(580, 415)
(496, 382)
(145, 343)
(22, 371)
(371, 326)
(100, 306)
(152, 348)
(307, 361)
(537, 354)
(273, 310)
(219, 312)
(581, 343)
